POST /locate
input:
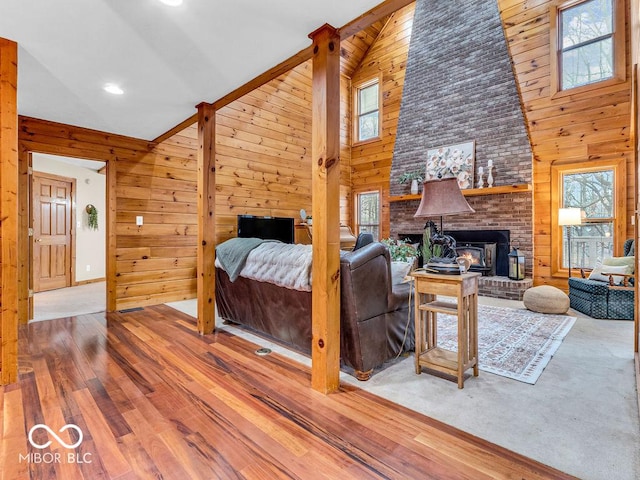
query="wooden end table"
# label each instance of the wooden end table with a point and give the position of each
(464, 288)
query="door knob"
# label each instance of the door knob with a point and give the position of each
(39, 240)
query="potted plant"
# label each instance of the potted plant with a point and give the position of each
(399, 250)
(403, 258)
(412, 177)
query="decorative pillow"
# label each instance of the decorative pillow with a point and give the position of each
(618, 261)
(399, 270)
(596, 273)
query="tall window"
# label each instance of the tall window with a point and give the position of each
(368, 213)
(593, 191)
(588, 40)
(367, 108)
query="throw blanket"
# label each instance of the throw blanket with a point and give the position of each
(233, 254)
(282, 264)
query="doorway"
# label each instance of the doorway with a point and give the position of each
(68, 221)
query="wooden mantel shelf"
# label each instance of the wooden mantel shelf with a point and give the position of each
(473, 192)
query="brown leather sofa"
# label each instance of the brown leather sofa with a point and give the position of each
(375, 319)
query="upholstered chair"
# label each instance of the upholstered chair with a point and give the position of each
(604, 299)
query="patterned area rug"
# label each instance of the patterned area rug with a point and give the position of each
(514, 343)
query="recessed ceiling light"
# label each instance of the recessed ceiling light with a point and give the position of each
(113, 88)
(172, 3)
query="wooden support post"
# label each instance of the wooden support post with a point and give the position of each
(325, 178)
(9, 210)
(25, 246)
(112, 243)
(206, 214)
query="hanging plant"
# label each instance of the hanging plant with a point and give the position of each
(93, 216)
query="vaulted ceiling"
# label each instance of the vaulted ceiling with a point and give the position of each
(166, 59)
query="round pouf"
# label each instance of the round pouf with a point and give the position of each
(546, 299)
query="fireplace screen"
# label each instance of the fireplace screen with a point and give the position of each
(476, 255)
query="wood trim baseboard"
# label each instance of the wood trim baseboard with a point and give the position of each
(87, 282)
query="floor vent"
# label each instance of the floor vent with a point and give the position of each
(128, 310)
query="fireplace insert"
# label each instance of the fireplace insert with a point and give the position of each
(494, 242)
(477, 257)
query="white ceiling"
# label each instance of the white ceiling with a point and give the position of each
(78, 162)
(167, 59)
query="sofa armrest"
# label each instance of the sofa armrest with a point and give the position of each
(594, 287)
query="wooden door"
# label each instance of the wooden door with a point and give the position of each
(51, 232)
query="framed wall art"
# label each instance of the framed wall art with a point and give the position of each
(452, 161)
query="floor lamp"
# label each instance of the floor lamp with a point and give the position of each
(568, 217)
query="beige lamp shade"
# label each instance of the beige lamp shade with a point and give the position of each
(442, 197)
(569, 216)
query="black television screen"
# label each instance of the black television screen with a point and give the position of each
(268, 228)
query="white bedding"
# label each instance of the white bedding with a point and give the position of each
(283, 264)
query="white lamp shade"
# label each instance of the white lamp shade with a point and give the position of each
(569, 216)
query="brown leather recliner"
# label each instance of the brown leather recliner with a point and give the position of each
(376, 324)
(375, 318)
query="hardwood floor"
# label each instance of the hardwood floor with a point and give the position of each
(155, 400)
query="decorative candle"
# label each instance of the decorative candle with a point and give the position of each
(480, 170)
(490, 163)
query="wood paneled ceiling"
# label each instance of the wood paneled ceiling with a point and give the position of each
(354, 48)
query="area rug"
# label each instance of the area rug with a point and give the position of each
(513, 343)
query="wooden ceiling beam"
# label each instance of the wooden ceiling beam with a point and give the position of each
(369, 18)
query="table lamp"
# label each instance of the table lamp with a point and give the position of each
(442, 197)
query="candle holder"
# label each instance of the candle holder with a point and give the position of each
(480, 180)
(489, 176)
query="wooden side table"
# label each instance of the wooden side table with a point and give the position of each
(464, 288)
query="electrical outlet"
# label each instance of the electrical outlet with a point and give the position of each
(88, 268)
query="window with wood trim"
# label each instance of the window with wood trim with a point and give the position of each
(595, 191)
(366, 109)
(588, 44)
(368, 213)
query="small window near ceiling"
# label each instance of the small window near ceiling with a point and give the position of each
(368, 213)
(588, 41)
(594, 193)
(367, 109)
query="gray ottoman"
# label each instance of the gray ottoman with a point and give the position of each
(546, 299)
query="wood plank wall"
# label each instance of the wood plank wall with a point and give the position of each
(156, 262)
(263, 168)
(371, 161)
(575, 129)
(263, 152)
(8, 211)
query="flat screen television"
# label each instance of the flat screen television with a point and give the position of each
(268, 228)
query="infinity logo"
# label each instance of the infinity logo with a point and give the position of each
(53, 434)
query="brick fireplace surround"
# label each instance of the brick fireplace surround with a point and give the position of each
(459, 86)
(511, 212)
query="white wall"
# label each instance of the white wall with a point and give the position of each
(90, 188)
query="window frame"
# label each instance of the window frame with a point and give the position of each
(619, 206)
(619, 49)
(356, 222)
(355, 117)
